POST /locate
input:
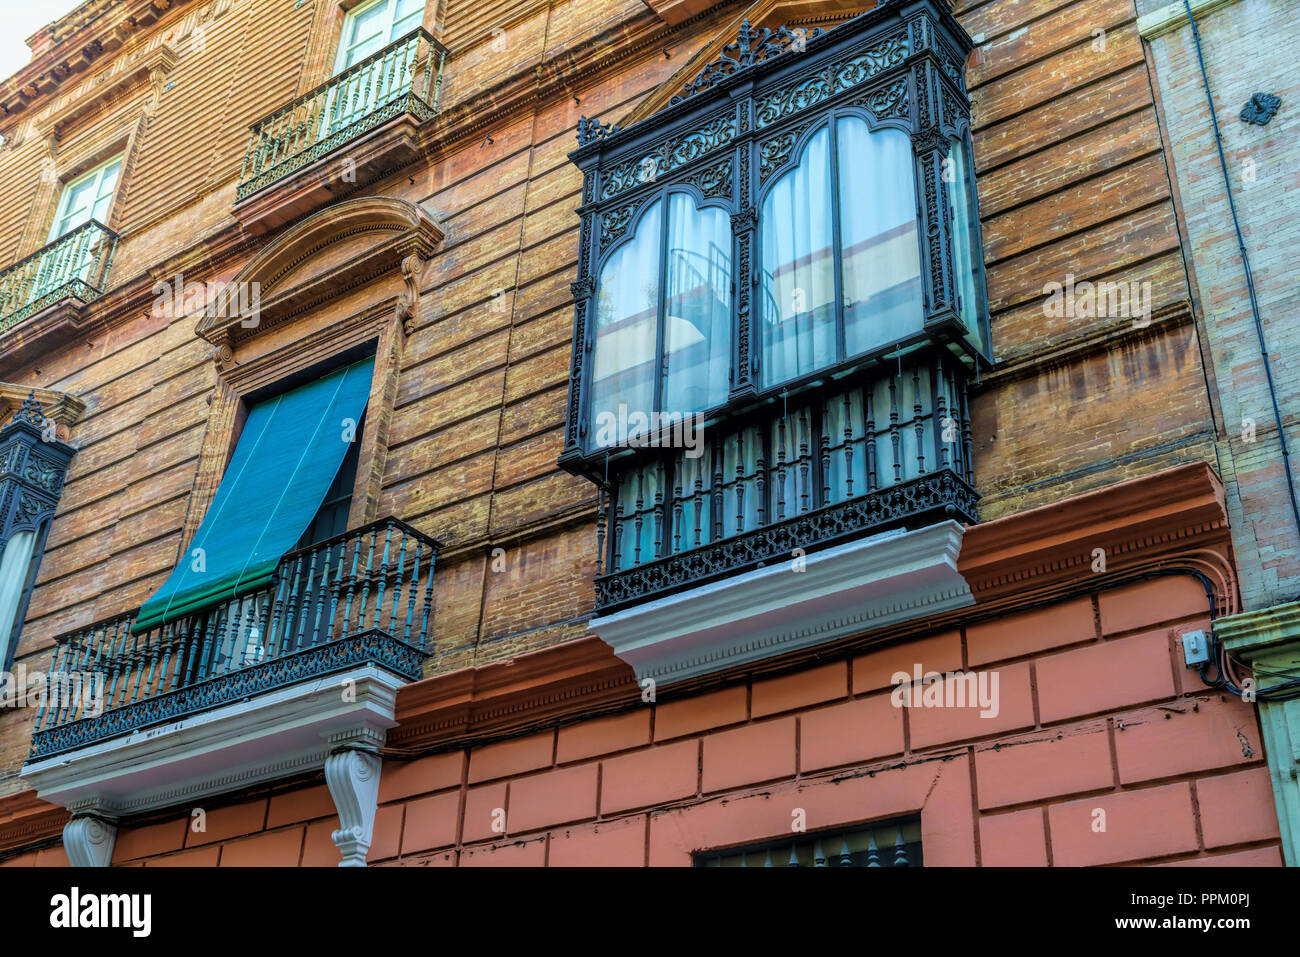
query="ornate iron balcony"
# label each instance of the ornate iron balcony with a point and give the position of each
(403, 77)
(363, 597)
(74, 266)
(877, 450)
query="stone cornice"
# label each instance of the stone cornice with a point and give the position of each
(576, 676)
(25, 819)
(1252, 633)
(745, 619)
(1173, 520)
(156, 62)
(71, 44)
(400, 234)
(65, 409)
(1171, 16)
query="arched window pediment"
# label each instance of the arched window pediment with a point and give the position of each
(331, 251)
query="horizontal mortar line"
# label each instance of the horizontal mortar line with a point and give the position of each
(1045, 55)
(1062, 96)
(79, 539)
(1080, 231)
(989, 38)
(1131, 17)
(100, 498)
(1147, 452)
(1082, 180)
(1098, 277)
(1107, 120)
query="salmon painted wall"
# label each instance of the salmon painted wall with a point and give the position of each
(1096, 713)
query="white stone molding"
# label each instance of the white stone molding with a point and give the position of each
(1171, 16)
(840, 591)
(265, 738)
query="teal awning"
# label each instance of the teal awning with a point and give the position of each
(286, 458)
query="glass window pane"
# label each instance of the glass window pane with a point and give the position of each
(965, 221)
(878, 236)
(76, 208)
(407, 17)
(697, 328)
(798, 289)
(108, 179)
(623, 362)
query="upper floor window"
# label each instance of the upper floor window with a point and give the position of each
(788, 252)
(841, 264)
(663, 313)
(372, 26)
(817, 218)
(89, 196)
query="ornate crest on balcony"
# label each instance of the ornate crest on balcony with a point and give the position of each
(752, 46)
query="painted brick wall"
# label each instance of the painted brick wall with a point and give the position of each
(1096, 714)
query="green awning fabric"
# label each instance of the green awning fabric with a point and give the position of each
(287, 456)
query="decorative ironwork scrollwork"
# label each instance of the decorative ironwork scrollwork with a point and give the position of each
(751, 47)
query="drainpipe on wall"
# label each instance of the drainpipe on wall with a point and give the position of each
(1245, 266)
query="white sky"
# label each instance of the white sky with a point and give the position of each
(19, 19)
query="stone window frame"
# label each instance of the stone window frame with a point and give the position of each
(405, 237)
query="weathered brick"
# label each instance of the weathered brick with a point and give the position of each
(662, 773)
(1113, 674)
(1152, 822)
(756, 752)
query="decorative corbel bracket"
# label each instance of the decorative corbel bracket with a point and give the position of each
(352, 775)
(90, 834)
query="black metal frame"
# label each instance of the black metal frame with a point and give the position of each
(830, 840)
(32, 471)
(741, 122)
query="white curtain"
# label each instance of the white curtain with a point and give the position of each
(844, 428)
(692, 521)
(740, 503)
(961, 193)
(878, 236)
(790, 465)
(798, 306)
(627, 305)
(14, 565)
(910, 389)
(636, 506)
(697, 327)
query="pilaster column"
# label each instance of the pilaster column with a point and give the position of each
(1269, 641)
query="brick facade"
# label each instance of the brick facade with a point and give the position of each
(1097, 708)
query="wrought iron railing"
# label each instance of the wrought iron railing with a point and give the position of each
(74, 266)
(365, 596)
(880, 449)
(403, 77)
(892, 844)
